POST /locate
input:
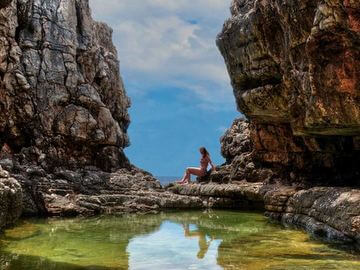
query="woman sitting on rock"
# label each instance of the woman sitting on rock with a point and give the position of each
(204, 162)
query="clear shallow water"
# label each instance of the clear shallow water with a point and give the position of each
(176, 240)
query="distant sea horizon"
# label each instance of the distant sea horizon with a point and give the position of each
(167, 179)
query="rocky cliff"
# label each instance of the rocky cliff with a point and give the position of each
(294, 67)
(62, 101)
(294, 70)
(63, 115)
(64, 118)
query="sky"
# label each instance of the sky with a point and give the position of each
(175, 76)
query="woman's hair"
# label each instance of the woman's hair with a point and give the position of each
(204, 152)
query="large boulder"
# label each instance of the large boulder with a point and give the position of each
(237, 149)
(294, 69)
(62, 101)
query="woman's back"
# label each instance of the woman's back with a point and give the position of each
(204, 162)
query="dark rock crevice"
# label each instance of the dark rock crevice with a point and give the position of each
(4, 3)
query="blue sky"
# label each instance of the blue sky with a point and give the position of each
(175, 76)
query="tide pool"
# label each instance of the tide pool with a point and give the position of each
(173, 240)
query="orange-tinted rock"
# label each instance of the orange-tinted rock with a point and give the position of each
(294, 67)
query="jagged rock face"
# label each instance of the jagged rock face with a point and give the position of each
(10, 199)
(294, 69)
(237, 149)
(62, 101)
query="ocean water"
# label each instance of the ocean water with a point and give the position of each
(174, 240)
(164, 180)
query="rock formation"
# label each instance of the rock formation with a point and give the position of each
(293, 66)
(294, 69)
(63, 115)
(91, 192)
(237, 148)
(308, 209)
(10, 199)
(62, 101)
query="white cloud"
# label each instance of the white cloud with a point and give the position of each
(170, 42)
(149, 45)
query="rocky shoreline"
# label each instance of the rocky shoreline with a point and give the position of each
(294, 70)
(329, 213)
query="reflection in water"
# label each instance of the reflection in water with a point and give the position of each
(203, 243)
(169, 249)
(175, 240)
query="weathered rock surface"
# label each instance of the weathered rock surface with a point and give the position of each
(241, 164)
(246, 196)
(63, 116)
(294, 69)
(329, 213)
(63, 113)
(10, 199)
(89, 192)
(62, 101)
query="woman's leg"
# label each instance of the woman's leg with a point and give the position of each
(189, 171)
(183, 178)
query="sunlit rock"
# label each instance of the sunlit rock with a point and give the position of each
(294, 69)
(62, 100)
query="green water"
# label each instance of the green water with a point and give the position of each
(176, 240)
